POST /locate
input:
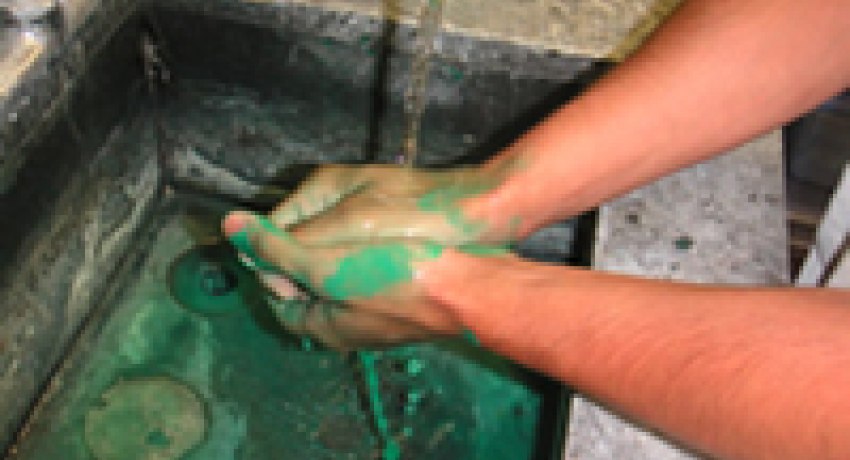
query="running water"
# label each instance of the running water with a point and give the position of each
(416, 95)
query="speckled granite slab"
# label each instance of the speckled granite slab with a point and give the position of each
(718, 222)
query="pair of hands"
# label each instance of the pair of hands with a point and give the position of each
(359, 239)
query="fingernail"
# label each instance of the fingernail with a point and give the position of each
(281, 286)
(242, 239)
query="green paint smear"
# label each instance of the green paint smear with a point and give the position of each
(244, 242)
(445, 201)
(373, 270)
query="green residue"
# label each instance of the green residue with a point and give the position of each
(391, 451)
(306, 343)
(445, 201)
(414, 367)
(373, 270)
(157, 438)
(244, 242)
(683, 243)
(455, 73)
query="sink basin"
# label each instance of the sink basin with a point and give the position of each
(129, 329)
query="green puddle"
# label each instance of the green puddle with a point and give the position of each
(190, 363)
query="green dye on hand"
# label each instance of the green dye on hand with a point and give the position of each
(373, 270)
(445, 201)
(243, 240)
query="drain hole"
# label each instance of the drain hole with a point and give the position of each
(216, 280)
(209, 279)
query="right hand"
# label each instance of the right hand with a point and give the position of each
(346, 204)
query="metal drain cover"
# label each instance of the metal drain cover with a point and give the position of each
(145, 419)
(209, 279)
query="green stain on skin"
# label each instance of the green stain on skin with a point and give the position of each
(244, 242)
(373, 270)
(445, 201)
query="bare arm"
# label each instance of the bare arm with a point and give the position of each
(717, 73)
(745, 374)
(740, 373)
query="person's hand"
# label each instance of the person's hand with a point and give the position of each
(368, 293)
(345, 204)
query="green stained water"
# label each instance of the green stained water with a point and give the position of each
(242, 388)
(187, 359)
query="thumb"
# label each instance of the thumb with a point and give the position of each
(266, 247)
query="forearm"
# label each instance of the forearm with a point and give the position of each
(716, 74)
(741, 373)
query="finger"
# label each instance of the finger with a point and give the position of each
(368, 329)
(346, 328)
(369, 221)
(323, 190)
(268, 248)
(281, 286)
(291, 313)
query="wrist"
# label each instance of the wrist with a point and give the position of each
(507, 219)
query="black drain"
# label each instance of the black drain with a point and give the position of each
(209, 279)
(216, 280)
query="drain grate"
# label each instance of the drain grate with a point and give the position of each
(208, 279)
